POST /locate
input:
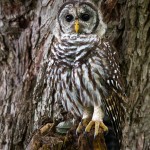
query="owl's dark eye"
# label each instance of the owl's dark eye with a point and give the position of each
(85, 17)
(69, 18)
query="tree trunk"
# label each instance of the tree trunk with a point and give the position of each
(27, 102)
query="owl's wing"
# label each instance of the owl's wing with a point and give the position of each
(110, 62)
(113, 99)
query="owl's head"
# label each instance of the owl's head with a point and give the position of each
(83, 18)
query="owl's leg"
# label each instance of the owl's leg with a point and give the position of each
(97, 120)
(87, 115)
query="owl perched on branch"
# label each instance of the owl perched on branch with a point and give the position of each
(84, 70)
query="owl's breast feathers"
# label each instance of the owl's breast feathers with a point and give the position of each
(97, 57)
(74, 49)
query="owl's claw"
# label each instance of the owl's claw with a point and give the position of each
(82, 125)
(79, 128)
(99, 127)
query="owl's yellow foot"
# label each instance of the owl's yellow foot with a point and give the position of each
(82, 125)
(99, 127)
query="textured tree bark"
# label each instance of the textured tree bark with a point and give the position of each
(27, 102)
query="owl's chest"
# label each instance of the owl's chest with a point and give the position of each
(82, 82)
(85, 74)
(73, 54)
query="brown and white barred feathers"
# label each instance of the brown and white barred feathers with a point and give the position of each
(84, 70)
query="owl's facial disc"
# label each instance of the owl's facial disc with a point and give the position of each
(67, 17)
(88, 18)
(75, 17)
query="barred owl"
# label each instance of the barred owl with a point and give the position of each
(84, 69)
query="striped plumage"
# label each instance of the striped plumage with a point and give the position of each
(84, 72)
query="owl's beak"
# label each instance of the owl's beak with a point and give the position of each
(76, 26)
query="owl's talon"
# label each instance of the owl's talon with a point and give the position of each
(103, 126)
(99, 127)
(82, 125)
(77, 134)
(89, 126)
(97, 124)
(79, 128)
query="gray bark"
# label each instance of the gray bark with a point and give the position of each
(26, 101)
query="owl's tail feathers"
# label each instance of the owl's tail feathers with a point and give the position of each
(112, 141)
